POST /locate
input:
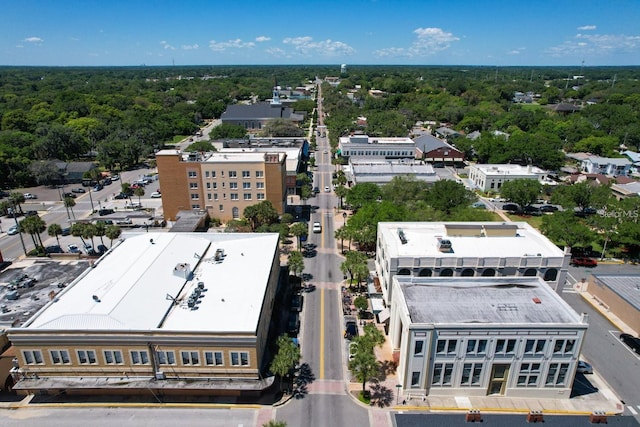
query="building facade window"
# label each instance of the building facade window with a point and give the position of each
(190, 357)
(86, 357)
(246, 186)
(246, 174)
(208, 196)
(166, 357)
(418, 348)
(557, 374)
(471, 374)
(235, 212)
(564, 346)
(60, 357)
(446, 347)
(195, 196)
(505, 347)
(192, 174)
(139, 357)
(528, 375)
(193, 185)
(260, 196)
(213, 358)
(233, 185)
(239, 358)
(259, 174)
(32, 357)
(247, 196)
(475, 346)
(442, 373)
(208, 186)
(534, 346)
(206, 174)
(113, 357)
(234, 196)
(233, 174)
(196, 206)
(260, 185)
(415, 379)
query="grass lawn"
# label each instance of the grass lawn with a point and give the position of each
(534, 221)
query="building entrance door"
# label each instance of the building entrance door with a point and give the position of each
(498, 381)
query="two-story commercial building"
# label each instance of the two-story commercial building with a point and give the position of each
(466, 249)
(484, 336)
(491, 177)
(159, 313)
(369, 147)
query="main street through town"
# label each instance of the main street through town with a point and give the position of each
(322, 343)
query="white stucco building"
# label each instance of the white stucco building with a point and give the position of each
(491, 177)
(370, 147)
(479, 336)
(468, 249)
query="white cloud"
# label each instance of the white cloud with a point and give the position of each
(587, 28)
(190, 46)
(231, 44)
(516, 51)
(261, 39)
(167, 45)
(307, 47)
(597, 44)
(33, 40)
(277, 52)
(428, 40)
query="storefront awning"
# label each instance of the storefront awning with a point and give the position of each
(384, 315)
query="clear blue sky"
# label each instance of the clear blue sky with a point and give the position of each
(420, 32)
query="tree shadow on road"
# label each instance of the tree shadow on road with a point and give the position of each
(387, 367)
(304, 376)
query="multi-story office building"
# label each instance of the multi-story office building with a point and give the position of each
(451, 249)
(222, 183)
(161, 313)
(479, 336)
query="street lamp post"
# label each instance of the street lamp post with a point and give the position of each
(398, 387)
(91, 200)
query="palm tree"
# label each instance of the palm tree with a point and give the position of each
(139, 192)
(100, 229)
(77, 230)
(55, 230)
(17, 199)
(112, 232)
(34, 225)
(69, 203)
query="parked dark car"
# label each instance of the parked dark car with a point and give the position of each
(511, 207)
(72, 195)
(78, 190)
(296, 303)
(532, 210)
(31, 213)
(631, 341)
(586, 212)
(103, 212)
(584, 262)
(120, 196)
(548, 208)
(350, 327)
(55, 249)
(66, 231)
(293, 325)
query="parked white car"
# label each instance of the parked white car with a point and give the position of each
(30, 196)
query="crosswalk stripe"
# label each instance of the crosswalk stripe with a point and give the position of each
(633, 411)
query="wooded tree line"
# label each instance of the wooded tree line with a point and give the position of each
(481, 99)
(117, 116)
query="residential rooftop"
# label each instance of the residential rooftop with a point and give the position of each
(484, 300)
(145, 281)
(509, 169)
(468, 240)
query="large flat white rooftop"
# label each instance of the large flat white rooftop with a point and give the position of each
(484, 300)
(468, 240)
(143, 285)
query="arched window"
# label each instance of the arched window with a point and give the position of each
(425, 272)
(551, 275)
(236, 213)
(530, 272)
(447, 272)
(489, 272)
(404, 272)
(468, 272)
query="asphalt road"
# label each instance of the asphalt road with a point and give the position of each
(322, 343)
